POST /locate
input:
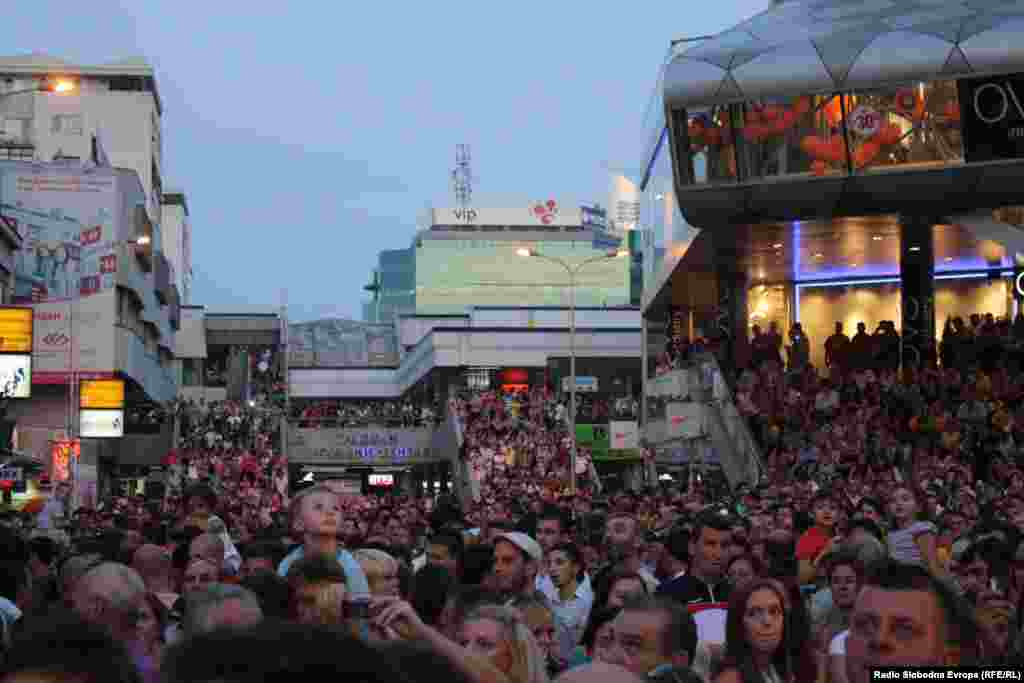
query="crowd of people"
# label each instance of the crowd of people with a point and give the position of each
(888, 531)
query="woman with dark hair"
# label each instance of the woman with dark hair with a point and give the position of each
(743, 568)
(756, 635)
(598, 637)
(613, 589)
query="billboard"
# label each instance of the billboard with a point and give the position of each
(366, 447)
(16, 375)
(101, 424)
(542, 213)
(342, 343)
(84, 328)
(68, 222)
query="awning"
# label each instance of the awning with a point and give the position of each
(804, 47)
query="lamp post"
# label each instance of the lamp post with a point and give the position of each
(573, 271)
(74, 349)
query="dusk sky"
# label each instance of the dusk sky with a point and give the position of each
(310, 135)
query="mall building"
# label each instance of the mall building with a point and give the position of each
(834, 161)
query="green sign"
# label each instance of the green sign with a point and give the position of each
(597, 440)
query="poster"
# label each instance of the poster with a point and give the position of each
(68, 222)
(597, 438)
(684, 420)
(624, 435)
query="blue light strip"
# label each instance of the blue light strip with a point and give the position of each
(881, 281)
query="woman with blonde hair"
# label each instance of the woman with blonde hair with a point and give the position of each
(381, 571)
(502, 635)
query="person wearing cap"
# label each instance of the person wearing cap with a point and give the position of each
(517, 560)
(819, 539)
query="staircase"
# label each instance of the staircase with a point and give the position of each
(715, 432)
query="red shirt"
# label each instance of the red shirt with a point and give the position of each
(811, 543)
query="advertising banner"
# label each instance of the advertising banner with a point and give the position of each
(68, 222)
(16, 375)
(624, 435)
(342, 343)
(362, 446)
(85, 328)
(597, 439)
(543, 212)
(101, 424)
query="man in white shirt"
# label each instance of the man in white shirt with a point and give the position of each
(551, 532)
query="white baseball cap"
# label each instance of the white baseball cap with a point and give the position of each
(524, 543)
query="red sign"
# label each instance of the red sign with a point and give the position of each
(90, 284)
(53, 377)
(108, 264)
(91, 236)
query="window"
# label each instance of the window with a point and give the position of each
(17, 152)
(66, 124)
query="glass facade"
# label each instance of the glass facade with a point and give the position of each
(397, 268)
(856, 132)
(452, 275)
(665, 234)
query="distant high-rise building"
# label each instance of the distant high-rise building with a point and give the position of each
(624, 204)
(393, 286)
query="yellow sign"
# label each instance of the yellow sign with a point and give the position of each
(102, 394)
(15, 330)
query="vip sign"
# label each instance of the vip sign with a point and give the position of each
(992, 110)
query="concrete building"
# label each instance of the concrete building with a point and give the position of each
(176, 228)
(118, 100)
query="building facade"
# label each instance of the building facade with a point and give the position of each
(118, 102)
(176, 229)
(469, 257)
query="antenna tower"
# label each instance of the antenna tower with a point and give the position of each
(462, 177)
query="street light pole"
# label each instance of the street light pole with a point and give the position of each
(573, 272)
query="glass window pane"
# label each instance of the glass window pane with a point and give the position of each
(907, 127)
(712, 153)
(801, 136)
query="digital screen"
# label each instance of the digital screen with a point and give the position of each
(16, 376)
(382, 480)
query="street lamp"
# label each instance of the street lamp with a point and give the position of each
(59, 86)
(573, 271)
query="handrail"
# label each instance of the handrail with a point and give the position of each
(729, 400)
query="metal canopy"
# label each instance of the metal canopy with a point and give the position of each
(804, 47)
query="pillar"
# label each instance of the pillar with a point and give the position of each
(730, 314)
(917, 288)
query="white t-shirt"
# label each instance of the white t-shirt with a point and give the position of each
(838, 644)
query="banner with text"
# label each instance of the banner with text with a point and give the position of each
(74, 334)
(597, 438)
(367, 447)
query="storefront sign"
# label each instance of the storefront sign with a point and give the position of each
(15, 330)
(101, 424)
(585, 385)
(363, 446)
(597, 439)
(384, 480)
(16, 375)
(102, 394)
(992, 117)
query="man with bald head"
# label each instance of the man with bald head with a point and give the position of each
(598, 672)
